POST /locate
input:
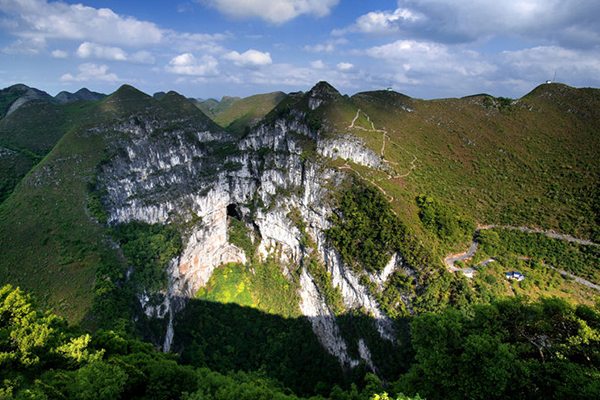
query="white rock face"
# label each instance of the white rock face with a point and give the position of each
(323, 321)
(365, 354)
(149, 181)
(349, 148)
(314, 103)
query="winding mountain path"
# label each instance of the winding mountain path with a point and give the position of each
(550, 234)
(453, 258)
(348, 166)
(385, 135)
(382, 153)
(470, 253)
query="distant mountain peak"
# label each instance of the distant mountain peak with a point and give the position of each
(230, 98)
(21, 94)
(324, 89)
(321, 93)
(17, 87)
(173, 96)
(127, 92)
(83, 94)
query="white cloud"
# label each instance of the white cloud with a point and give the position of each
(382, 22)
(320, 48)
(190, 42)
(540, 63)
(94, 50)
(328, 47)
(429, 58)
(274, 11)
(184, 7)
(58, 20)
(317, 64)
(187, 64)
(301, 78)
(249, 59)
(570, 22)
(91, 72)
(30, 46)
(434, 66)
(59, 54)
(343, 66)
(101, 33)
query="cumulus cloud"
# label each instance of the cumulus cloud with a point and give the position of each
(91, 72)
(344, 66)
(94, 50)
(59, 54)
(447, 21)
(541, 62)
(382, 22)
(188, 64)
(58, 20)
(273, 11)
(249, 59)
(434, 65)
(102, 34)
(318, 64)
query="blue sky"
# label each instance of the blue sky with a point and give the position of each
(210, 48)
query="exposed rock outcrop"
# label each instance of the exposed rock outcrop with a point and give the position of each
(161, 175)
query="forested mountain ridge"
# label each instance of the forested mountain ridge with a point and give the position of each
(239, 114)
(338, 209)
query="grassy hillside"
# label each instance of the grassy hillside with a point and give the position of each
(479, 159)
(54, 242)
(531, 161)
(212, 107)
(248, 111)
(237, 114)
(451, 163)
(8, 97)
(31, 131)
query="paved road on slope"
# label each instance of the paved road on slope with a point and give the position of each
(453, 258)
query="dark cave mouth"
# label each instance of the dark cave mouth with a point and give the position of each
(232, 211)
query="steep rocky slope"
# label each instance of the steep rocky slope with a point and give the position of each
(175, 174)
(134, 158)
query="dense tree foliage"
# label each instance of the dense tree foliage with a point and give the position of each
(514, 348)
(149, 248)
(41, 357)
(365, 230)
(510, 349)
(443, 221)
(581, 260)
(228, 337)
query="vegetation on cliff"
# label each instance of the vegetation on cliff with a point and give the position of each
(445, 165)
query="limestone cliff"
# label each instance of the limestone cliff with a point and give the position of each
(189, 173)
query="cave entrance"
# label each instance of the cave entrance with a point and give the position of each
(232, 212)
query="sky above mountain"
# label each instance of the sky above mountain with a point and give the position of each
(210, 48)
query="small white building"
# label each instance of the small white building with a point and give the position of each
(515, 275)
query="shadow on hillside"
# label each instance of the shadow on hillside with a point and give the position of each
(226, 337)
